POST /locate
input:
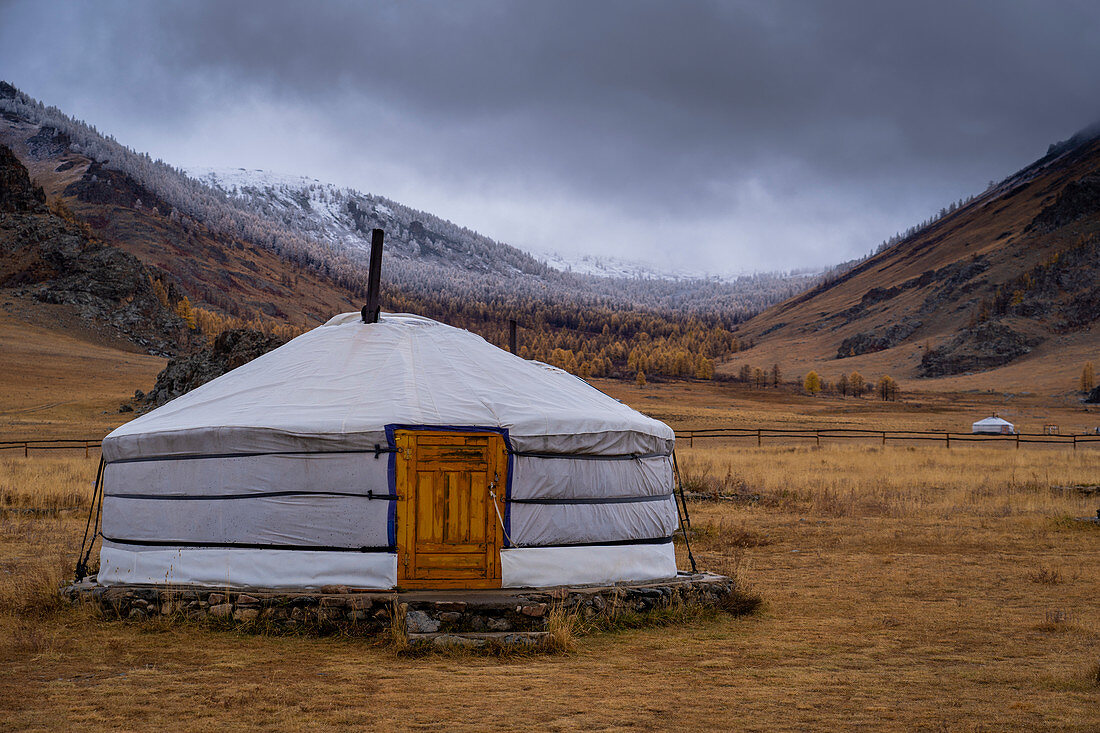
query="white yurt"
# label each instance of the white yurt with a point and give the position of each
(993, 425)
(398, 454)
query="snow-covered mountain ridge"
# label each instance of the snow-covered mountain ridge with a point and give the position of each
(344, 217)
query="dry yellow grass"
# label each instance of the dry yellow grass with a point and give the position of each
(46, 484)
(904, 590)
(897, 482)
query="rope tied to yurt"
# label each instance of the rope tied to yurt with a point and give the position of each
(496, 508)
(97, 503)
(685, 519)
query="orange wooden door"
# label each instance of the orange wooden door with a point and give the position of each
(448, 532)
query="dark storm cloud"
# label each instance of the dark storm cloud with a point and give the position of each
(773, 133)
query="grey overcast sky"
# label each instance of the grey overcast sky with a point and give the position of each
(715, 136)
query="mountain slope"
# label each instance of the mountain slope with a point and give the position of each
(49, 259)
(1012, 277)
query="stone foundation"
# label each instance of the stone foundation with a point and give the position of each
(470, 617)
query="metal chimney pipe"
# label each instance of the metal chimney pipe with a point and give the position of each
(374, 279)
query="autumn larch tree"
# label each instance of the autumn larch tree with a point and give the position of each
(184, 311)
(842, 384)
(812, 383)
(776, 375)
(1088, 377)
(856, 384)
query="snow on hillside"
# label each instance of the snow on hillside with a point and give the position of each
(328, 212)
(344, 217)
(601, 266)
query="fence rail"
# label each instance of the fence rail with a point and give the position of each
(51, 444)
(818, 434)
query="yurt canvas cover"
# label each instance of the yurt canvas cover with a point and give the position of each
(404, 452)
(993, 425)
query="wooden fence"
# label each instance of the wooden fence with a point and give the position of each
(764, 435)
(27, 446)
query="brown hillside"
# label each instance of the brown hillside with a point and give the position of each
(1002, 293)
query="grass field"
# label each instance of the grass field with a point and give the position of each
(905, 589)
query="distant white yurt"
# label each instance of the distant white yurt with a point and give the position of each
(403, 453)
(993, 425)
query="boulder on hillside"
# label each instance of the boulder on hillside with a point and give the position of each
(1093, 397)
(228, 350)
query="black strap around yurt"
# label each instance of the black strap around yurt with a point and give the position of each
(685, 519)
(245, 545)
(97, 503)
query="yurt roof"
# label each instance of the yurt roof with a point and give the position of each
(993, 421)
(344, 383)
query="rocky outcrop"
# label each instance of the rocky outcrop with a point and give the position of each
(869, 342)
(107, 187)
(229, 350)
(985, 346)
(17, 193)
(1078, 200)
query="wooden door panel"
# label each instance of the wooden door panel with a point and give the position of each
(448, 532)
(473, 561)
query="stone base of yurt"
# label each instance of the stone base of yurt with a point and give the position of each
(441, 618)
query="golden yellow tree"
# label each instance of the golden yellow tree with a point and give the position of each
(812, 383)
(184, 311)
(640, 378)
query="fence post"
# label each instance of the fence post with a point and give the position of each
(884, 437)
(26, 449)
(759, 438)
(817, 434)
(1075, 442)
(947, 436)
(691, 439)
(85, 449)
(1017, 441)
